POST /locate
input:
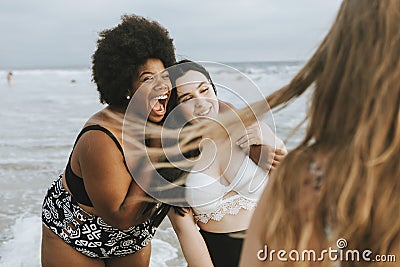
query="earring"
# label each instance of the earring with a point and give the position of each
(128, 97)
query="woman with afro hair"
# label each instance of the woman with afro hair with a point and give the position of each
(95, 213)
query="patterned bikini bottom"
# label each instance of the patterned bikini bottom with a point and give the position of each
(88, 233)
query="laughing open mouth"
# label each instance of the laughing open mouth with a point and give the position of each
(203, 113)
(158, 104)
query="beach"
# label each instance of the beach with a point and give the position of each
(41, 115)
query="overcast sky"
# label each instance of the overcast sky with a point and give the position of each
(63, 33)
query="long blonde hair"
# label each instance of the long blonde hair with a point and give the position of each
(353, 121)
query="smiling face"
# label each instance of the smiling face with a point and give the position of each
(152, 89)
(196, 97)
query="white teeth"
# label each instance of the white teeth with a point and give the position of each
(161, 97)
(204, 113)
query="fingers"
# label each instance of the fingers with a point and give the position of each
(271, 169)
(275, 163)
(280, 152)
(279, 158)
(242, 140)
(247, 141)
(273, 166)
(251, 137)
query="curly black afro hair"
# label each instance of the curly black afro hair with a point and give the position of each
(122, 50)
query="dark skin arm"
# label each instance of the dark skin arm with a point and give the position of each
(115, 195)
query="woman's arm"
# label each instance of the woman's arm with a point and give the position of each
(264, 147)
(192, 243)
(115, 195)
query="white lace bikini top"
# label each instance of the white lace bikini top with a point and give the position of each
(205, 194)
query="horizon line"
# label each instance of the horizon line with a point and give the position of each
(82, 66)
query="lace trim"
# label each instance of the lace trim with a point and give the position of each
(231, 206)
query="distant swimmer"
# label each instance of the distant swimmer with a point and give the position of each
(9, 78)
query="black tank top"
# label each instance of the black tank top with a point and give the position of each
(74, 182)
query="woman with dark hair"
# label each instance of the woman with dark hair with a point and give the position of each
(223, 186)
(95, 213)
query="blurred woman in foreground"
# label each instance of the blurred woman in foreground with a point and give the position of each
(342, 183)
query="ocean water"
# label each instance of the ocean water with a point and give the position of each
(41, 113)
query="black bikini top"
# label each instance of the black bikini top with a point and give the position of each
(74, 182)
